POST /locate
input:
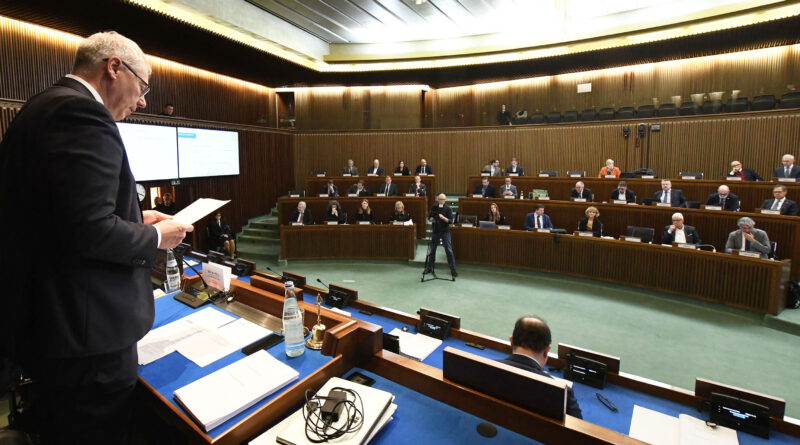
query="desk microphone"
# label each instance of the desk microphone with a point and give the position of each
(276, 273)
(713, 249)
(196, 272)
(320, 282)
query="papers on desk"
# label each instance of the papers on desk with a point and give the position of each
(198, 209)
(662, 429)
(416, 346)
(217, 397)
(161, 341)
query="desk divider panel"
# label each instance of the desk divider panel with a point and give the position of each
(611, 362)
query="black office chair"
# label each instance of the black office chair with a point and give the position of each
(737, 105)
(765, 102)
(644, 171)
(790, 100)
(300, 193)
(588, 115)
(697, 175)
(551, 173)
(667, 110)
(627, 175)
(573, 173)
(646, 111)
(692, 204)
(713, 107)
(537, 118)
(606, 114)
(644, 233)
(467, 219)
(689, 109)
(774, 248)
(626, 113)
(554, 117)
(571, 116)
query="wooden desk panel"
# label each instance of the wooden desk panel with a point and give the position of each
(712, 226)
(347, 241)
(381, 206)
(753, 284)
(751, 194)
(314, 184)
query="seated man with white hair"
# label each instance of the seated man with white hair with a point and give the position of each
(748, 238)
(788, 169)
(581, 192)
(679, 232)
(724, 198)
(609, 170)
(302, 215)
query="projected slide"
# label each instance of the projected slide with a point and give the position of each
(207, 152)
(152, 151)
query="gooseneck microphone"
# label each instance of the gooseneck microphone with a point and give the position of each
(320, 282)
(196, 272)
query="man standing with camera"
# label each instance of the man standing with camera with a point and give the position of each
(441, 215)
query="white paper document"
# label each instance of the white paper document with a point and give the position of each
(209, 345)
(162, 340)
(217, 397)
(662, 429)
(217, 275)
(198, 209)
(416, 346)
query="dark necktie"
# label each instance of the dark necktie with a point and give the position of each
(746, 244)
(722, 202)
(539, 222)
(786, 170)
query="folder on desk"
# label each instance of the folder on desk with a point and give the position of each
(416, 346)
(215, 398)
(662, 429)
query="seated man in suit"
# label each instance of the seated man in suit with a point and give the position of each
(621, 193)
(358, 189)
(679, 232)
(780, 202)
(508, 189)
(484, 189)
(423, 168)
(537, 219)
(388, 188)
(609, 169)
(669, 195)
(788, 170)
(748, 238)
(376, 169)
(581, 192)
(417, 188)
(724, 198)
(350, 169)
(530, 344)
(493, 168)
(302, 215)
(745, 173)
(514, 169)
(330, 189)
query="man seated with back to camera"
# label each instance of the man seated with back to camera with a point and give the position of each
(679, 232)
(530, 344)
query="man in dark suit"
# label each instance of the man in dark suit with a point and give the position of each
(330, 189)
(417, 188)
(669, 195)
(387, 188)
(621, 193)
(724, 198)
(581, 192)
(484, 189)
(358, 189)
(538, 219)
(302, 215)
(351, 169)
(530, 344)
(780, 202)
(745, 173)
(423, 168)
(441, 215)
(74, 328)
(514, 169)
(508, 189)
(788, 170)
(679, 232)
(376, 169)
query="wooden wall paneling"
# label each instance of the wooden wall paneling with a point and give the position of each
(348, 108)
(7, 114)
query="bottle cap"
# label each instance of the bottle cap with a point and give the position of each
(288, 284)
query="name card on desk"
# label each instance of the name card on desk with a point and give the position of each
(610, 176)
(513, 174)
(584, 233)
(484, 174)
(509, 197)
(346, 174)
(746, 253)
(544, 175)
(543, 198)
(713, 207)
(467, 224)
(685, 246)
(352, 194)
(476, 195)
(575, 176)
(295, 223)
(733, 178)
(422, 174)
(663, 204)
(294, 196)
(787, 179)
(380, 194)
(332, 223)
(648, 177)
(504, 227)
(397, 223)
(543, 230)
(371, 174)
(688, 177)
(770, 212)
(217, 275)
(633, 239)
(364, 222)
(398, 174)
(410, 195)
(320, 175)
(619, 201)
(579, 199)
(323, 195)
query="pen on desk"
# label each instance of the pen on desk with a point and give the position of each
(606, 402)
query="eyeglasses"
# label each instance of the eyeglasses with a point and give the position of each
(146, 85)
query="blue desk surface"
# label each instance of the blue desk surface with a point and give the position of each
(174, 370)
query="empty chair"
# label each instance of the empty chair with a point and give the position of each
(553, 117)
(606, 114)
(667, 110)
(766, 102)
(571, 116)
(551, 173)
(626, 113)
(644, 171)
(737, 105)
(576, 173)
(645, 233)
(689, 109)
(627, 175)
(537, 118)
(790, 100)
(713, 107)
(696, 175)
(588, 115)
(692, 204)
(646, 111)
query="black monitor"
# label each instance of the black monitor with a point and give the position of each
(298, 280)
(340, 296)
(740, 414)
(215, 257)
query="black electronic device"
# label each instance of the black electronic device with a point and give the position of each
(340, 297)
(215, 257)
(606, 402)
(197, 295)
(739, 414)
(181, 249)
(434, 326)
(298, 280)
(265, 343)
(391, 343)
(361, 379)
(243, 268)
(333, 405)
(475, 345)
(585, 370)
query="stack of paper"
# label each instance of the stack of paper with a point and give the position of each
(161, 341)
(662, 429)
(416, 346)
(217, 397)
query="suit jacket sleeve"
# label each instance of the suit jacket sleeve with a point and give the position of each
(573, 409)
(696, 236)
(667, 238)
(733, 241)
(529, 222)
(789, 208)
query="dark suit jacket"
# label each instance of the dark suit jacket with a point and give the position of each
(530, 221)
(501, 222)
(749, 175)
(325, 191)
(399, 216)
(489, 191)
(379, 172)
(529, 364)
(404, 171)
(428, 170)
(597, 227)
(629, 195)
(390, 191)
(781, 173)
(731, 202)
(307, 219)
(691, 235)
(364, 216)
(788, 208)
(350, 170)
(519, 171)
(413, 189)
(95, 296)
(354, 189)
(585, 193)
(677, 198)
(440, 227)
(340, 218)
(217, 230)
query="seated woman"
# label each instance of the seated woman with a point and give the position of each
(365, 213)
(591, 223)
(335, 213)
(495, 216)
(609, 169)
(401, 168)
(220, 236)
(302, 215)
(399, 213)
(158, 205)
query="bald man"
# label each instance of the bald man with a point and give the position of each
(724, 198)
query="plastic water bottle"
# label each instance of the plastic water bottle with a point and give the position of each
(292, 323)
(173, 282)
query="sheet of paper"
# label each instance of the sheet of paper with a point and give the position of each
(217, 275)
(158, 293)
(162, 341)
(198, 209)
(654, 427)
(209, 345)
(416, 346)
(694, 430)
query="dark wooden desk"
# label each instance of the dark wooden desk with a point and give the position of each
(713, 226)
(751, 194)
(314, 184)
(753, 284)
(381, 206)
(348, 241)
